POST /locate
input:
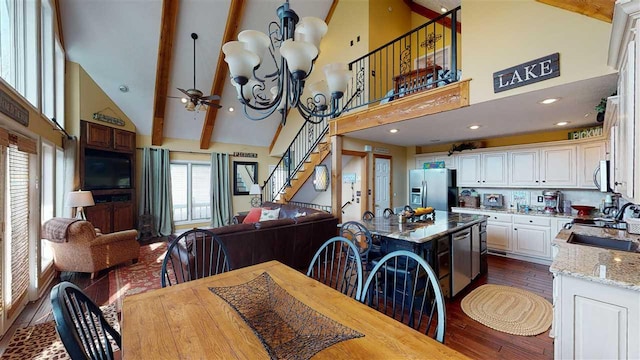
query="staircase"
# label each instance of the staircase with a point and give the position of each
(309, 148)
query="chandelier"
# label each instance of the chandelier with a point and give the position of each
(293, 46)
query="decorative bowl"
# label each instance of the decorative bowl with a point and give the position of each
(583, 210)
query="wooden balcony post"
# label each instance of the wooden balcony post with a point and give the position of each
(336, 176)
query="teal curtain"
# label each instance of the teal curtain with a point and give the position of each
(155, 198)
(221, 200)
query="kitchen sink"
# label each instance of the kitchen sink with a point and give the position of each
(607, 243)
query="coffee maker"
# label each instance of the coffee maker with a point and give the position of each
(552, 201)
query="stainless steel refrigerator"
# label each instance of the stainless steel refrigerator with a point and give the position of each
(433, 187)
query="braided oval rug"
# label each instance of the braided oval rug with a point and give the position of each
(508, 309)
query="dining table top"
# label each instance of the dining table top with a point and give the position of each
(189, 321)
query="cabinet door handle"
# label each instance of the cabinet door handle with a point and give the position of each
(495, 217)
(530, 221)
(483, 181)
(537, 181)
(478, 180)
(515, 229)
(544, 180)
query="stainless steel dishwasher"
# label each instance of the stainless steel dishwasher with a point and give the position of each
(461, 259)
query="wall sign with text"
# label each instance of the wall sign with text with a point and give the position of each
(531, 72)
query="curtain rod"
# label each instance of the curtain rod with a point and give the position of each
(180, 151)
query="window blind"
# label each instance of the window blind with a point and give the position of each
(18, 215)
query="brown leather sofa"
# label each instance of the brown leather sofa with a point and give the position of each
(291, 240)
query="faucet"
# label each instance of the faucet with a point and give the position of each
(620, 213)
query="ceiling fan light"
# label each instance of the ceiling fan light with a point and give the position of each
(299, 55)
(190, 106)
(255, 41)
(337, 77)
(313, 28)
(202, 107)
(184, 100)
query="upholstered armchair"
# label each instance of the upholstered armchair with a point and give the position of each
(78, 247)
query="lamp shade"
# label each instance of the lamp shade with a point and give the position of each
(241, 61)
(320, 92)
(80, 198)
(255, 190)
(311, 29)
(299, 55)
(256, 41)
(337, 77)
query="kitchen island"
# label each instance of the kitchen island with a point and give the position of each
(596, 297)
(453, 244)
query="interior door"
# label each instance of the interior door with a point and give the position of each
(382, 182)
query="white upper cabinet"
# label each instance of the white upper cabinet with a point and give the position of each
(558, 166)
(524, 168)
(469, 170)
(589, 156)
(493, 169)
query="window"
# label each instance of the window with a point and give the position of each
(48, 186)
(7, 42)
(59, 77)
(191, 191)
(59, 182)
(48, 69)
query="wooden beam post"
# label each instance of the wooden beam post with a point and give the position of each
(336, 176)
(163, 68)
(236, 10)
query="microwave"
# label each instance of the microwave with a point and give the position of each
(602, 176)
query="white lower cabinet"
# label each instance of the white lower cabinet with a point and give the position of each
(531, 240)
(498, 236)
(595, 321)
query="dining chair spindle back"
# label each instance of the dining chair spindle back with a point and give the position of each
(193, 255)
(337, 264)
(83, 329)
(403, 286)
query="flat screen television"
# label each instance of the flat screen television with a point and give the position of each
(105, 170)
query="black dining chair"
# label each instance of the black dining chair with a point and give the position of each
(403, 286)
(368, 216)
(337, 264)
(84, 331)
(193, 255)
(387, 213)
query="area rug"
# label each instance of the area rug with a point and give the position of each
(139, 277)
(41, 341)
(508, 309)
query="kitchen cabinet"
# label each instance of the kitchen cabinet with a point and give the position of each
(483, 169)
(553, 166)
(498, 236)
(594, 320)
(531, 236)
(107, 138)
(589, 156)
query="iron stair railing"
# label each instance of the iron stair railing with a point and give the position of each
(384, 74)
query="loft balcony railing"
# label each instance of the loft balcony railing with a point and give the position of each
(422, 59)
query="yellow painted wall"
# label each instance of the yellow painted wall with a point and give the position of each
(182, 149)
(398, 169)
(500, 34)
(530, 138)
(350, 19)
(38, 124)
(72, 98)
(419, 20)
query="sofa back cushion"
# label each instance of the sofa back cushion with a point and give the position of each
(233, 228)
(313, 217)
(274, 223)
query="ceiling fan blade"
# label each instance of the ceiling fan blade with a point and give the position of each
(217, 106)
(175, 97)
(184, 92)
(210, 97)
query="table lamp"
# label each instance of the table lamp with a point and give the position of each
(79, 199)
(256, 195)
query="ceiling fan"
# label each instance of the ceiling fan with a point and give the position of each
(195, 99)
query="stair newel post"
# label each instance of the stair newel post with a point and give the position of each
(336, 173)
(454, 46)
(288, 166)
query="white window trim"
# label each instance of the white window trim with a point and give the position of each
(189, 197)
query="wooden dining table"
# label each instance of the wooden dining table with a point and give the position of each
(188, 321)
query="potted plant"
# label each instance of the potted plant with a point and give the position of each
(601, 108)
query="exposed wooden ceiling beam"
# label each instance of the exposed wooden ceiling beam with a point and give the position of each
(597, 9)
(236, 11)
(430, 14)
(58, 17)
(163, 68)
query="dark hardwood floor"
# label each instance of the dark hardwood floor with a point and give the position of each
(463, 334)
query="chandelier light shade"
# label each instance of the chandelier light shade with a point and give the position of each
(291, 48)
(321, 178)
(79, 199)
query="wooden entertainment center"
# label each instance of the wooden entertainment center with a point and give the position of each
(115, 207)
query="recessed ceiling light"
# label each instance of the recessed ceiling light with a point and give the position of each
(443, 9)
(549, 101)
(124, 88)
(587, 114)
(474, 127)
(184, 100)
(231, 109)
(562, 123)
(393, 131)
(435, 140)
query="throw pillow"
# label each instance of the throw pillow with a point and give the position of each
(298, 214)
(253, 216)
(270, 214)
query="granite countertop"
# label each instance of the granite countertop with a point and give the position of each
(436, 225)
(581, 261)
(533, 213)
